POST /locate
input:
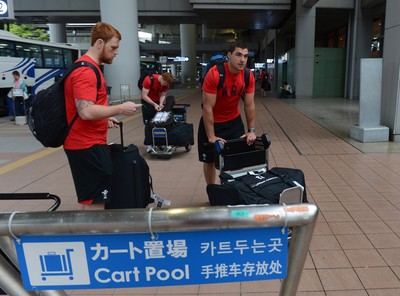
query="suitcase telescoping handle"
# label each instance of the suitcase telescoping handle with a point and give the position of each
(264, 138)
(121, 132)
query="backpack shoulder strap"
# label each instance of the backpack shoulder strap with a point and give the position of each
(246, 76)
(151, 80)
(69, 71)
(82, 64)
(94, 68)
(221, 71)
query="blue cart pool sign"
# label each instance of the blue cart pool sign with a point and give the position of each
(135, 260)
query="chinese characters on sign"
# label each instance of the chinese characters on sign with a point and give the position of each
(135, 260)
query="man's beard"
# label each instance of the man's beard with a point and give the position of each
(104, 59)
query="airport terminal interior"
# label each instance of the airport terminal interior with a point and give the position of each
(355, 245)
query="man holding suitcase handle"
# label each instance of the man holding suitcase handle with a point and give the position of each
(86, 144)
(221, 118)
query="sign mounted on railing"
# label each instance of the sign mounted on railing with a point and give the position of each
(139, 260)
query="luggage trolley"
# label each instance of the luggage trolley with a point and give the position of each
(165, 140)
(236, 158)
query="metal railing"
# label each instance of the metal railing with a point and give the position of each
(301, 218)
(33, 196)
(11, 279)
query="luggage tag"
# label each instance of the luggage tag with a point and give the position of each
(160, 200)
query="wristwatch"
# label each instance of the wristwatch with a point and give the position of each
(251, 130)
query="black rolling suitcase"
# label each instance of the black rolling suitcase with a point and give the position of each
(131, 180)
(246, 178)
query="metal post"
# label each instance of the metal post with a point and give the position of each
(10, 280)
(301, 217)
(7, 246)
(298, 249)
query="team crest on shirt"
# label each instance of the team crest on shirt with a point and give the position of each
(105, 192)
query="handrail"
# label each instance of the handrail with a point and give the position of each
(33, 196)
(136, 220)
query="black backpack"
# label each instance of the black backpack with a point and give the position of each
(219, 61)
(47, 117)
(215, 60)
(143, 77)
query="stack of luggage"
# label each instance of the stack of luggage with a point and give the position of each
(246, 179)
(170, 129)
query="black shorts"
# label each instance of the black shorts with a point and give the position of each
(92, 173)
(229, 130)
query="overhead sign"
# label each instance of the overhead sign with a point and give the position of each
(6, 9)
(137, 260)
(181, 59)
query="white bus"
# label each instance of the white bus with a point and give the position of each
(38, 62)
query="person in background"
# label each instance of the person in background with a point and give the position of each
(265, 84)
(286, 90)
(86, 144)
(154, 91)
(221, 119)
(14, 100)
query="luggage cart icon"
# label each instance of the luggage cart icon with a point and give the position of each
(53, 264)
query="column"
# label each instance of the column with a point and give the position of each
(125, 69)
(155, 36)
(280, 74)
(207, 35)
(390, 109)
(188, 49)
(359, 47)
(369, 129)
(58, 33)
(304, 51)
(173, 70)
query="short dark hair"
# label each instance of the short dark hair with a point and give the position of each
(233, 46)
(15, 73)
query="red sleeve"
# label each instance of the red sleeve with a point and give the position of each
(210, 84)
(84, 81)
(146, 82)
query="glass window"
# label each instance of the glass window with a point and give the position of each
(68, 58)
(26, 50)
(53, 57)
(7, 48)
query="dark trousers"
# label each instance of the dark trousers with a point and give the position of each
(148, 113)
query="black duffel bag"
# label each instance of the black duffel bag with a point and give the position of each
(255, 188)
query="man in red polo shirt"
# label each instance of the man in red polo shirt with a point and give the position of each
(86, 144)
(154, 91)
(221, 118)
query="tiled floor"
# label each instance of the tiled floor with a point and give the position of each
(356, 243)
